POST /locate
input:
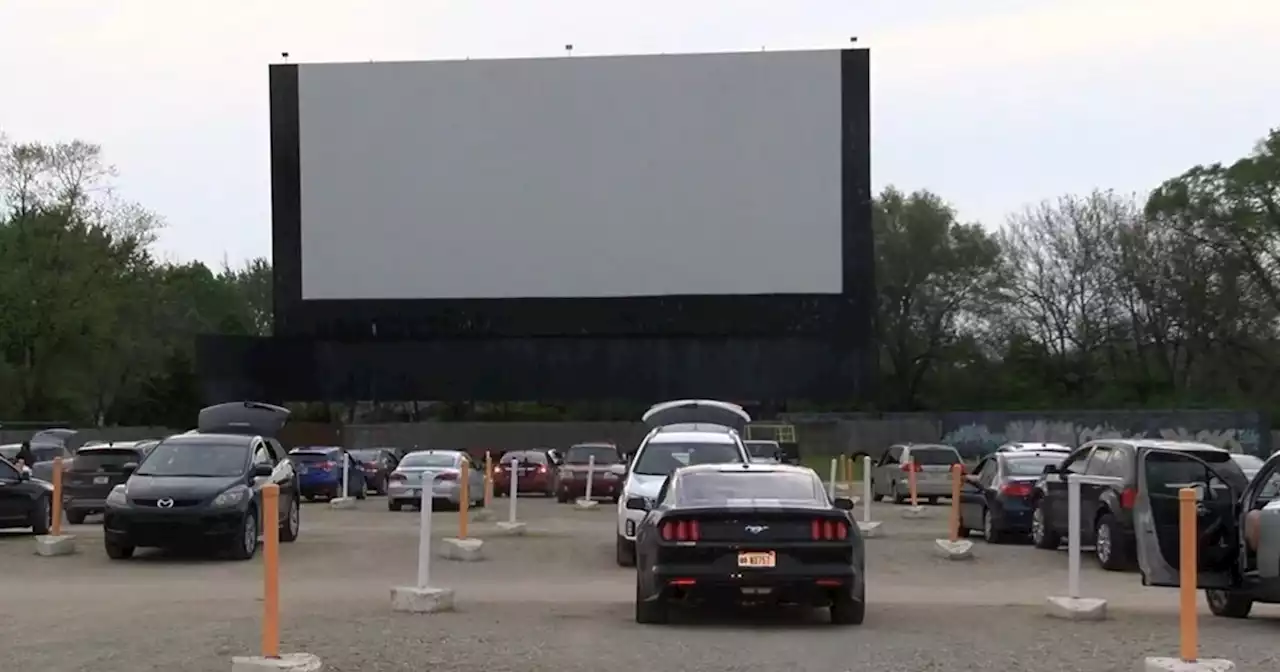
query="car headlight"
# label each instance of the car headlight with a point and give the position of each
(118, 495)
(232, 497)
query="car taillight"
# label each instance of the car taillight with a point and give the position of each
(1128, 497)
(447, 476)
(328, 465)
(680, 530)
(497, 468)
(825, 529)
(542, 468)
(397, 476)
(370, 465)
(1016, 490)
(912, 466)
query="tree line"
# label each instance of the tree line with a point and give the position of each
(1102, 300)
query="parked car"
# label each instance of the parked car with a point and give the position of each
(571, 482)
(996, 499)
(96, 471)
(932, 463)
(24, 501)
(698, 543)
(377, 464)
(46, 445)
(535, 473)
(205, 488)
(442, 469)
(1236, 566)
(763, 451)
(320, 472)
(1106, 511)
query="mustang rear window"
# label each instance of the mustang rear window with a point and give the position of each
(713, 487)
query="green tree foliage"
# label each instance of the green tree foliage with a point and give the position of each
(1097, 300)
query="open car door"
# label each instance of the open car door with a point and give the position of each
(696, 412)
(1161, 474)
(242, 417)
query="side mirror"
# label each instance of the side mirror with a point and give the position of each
(618, 470)
(128, 468)
(637, 504)
(263, 469)
(843, 503)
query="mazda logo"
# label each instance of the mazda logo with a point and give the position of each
(756, 529)
(165, 503)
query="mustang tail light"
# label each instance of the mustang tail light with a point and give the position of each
(1128, 497)
(825, 529)
(1016, 490)
(680, 530)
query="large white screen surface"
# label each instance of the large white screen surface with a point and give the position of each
(708, 174)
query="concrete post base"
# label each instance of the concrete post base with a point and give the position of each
(914, 512)
(1076, 608)
(462, 550)
(414, 600)
(869, 529)
(586, 504)
(287, 662)
(511, 529)
(1178, 665)
(48, 545)
(953, 550)
(343, 503)
(482, 515)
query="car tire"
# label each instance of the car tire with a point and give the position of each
(1109, 548)
(394, 505)
(562, 498)
(41, 516)
(1227, 604)
(118, 551)
(651, 612)
(1042, 536)
(245, 543)
(292, 523)
(897, 497)
(361, 494)
(626, 552)
(76, 517)
(849, 610)
(990, 533)
(875, 496)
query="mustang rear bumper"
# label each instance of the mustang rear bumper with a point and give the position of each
(814, 585)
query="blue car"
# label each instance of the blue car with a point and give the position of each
(320, 472)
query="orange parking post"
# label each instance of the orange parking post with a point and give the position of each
(464, 498)
(56, 528)
(912, 466)
(488, 479)
(271, 571)
(957, 478)
(1188, 627)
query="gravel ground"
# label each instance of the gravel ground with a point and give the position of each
(554, 600)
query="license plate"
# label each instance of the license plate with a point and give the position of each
(766, 559)
(100, 480)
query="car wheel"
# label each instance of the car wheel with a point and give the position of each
(245, 543)
(292, 523)
(626, 552)
(895, 495)
(1108, 546)
(1041, 536)
(76, 517)
(649, 611)
(394, 505)
(990, 533)
(360, 494)
(42, 516)
(1228, 604)
(118, 551)
(849, 610)
(875, 494)
(562, 498)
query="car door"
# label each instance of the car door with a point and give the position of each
(261, 455)
(475, 478)
(889, 462)
(1091, 493)
(1158, 525)
(972, 491)
(1055, 486)
(14, 500)
(283, 476)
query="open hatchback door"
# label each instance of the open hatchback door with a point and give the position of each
(1161, 474)
(242, 417)
(696, 412)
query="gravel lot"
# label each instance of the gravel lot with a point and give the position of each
(554, 600)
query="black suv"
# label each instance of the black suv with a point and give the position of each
(205, 487)
(1106, 511)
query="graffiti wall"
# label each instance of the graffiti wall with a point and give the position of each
(978, 433)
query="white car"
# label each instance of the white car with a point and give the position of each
(681, 432)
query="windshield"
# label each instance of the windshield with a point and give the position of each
(1029, 466)
(583, 455)
(366, 455)
(429, 460)
(196, 458)
(926, 457)
(712, 488)
(761, 448)
(104, 459)
(526, 456)
(660, 459)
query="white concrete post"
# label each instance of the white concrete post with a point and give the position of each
(591, 471)
(515, 483)
(831, 481)
(1073, 537)
(346, 483)
(866, 489)
(424, 531)
(1072, 606)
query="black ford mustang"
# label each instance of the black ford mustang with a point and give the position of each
(748, 534)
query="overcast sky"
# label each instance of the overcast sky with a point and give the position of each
(992, 103)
